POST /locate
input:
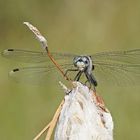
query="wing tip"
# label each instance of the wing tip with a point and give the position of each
(7, 52)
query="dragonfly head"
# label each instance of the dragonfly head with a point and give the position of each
(81, 62)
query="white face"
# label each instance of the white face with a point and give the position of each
(80, 65)
(81, 62)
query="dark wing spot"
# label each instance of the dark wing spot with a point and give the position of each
(15, 70)
(10, 50)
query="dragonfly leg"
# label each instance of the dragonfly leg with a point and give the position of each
(86, 82)
(68, 70)
(77, 77)
(90, 85)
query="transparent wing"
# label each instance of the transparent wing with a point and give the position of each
(42, 70)
(37, 74)
(33, 56)
(120, 68)
(117, 67)
(117, 74)
(34, 75)
(127, 57)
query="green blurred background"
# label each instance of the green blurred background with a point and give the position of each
(75, 26)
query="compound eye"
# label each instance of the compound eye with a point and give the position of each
(80, 60)
(86, 62)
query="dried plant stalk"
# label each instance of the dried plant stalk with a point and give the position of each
(44, 45)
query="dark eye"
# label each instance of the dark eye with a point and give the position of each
(86, 62)
(80, 60)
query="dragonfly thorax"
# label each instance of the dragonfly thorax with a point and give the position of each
(82, 62)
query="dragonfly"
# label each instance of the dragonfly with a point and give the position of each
(113, 67)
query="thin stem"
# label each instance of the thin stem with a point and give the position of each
(42, 131)
(57, 65)
(54, 121)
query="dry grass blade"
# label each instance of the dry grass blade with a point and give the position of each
(54, 121)
(51, 125)
(42, 131)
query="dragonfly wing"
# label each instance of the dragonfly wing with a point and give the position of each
(40, 74)
(25, 55)
(33, 56)
(127, 57)
(117, 74)
(33, 75)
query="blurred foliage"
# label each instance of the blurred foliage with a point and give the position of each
(77, 26)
